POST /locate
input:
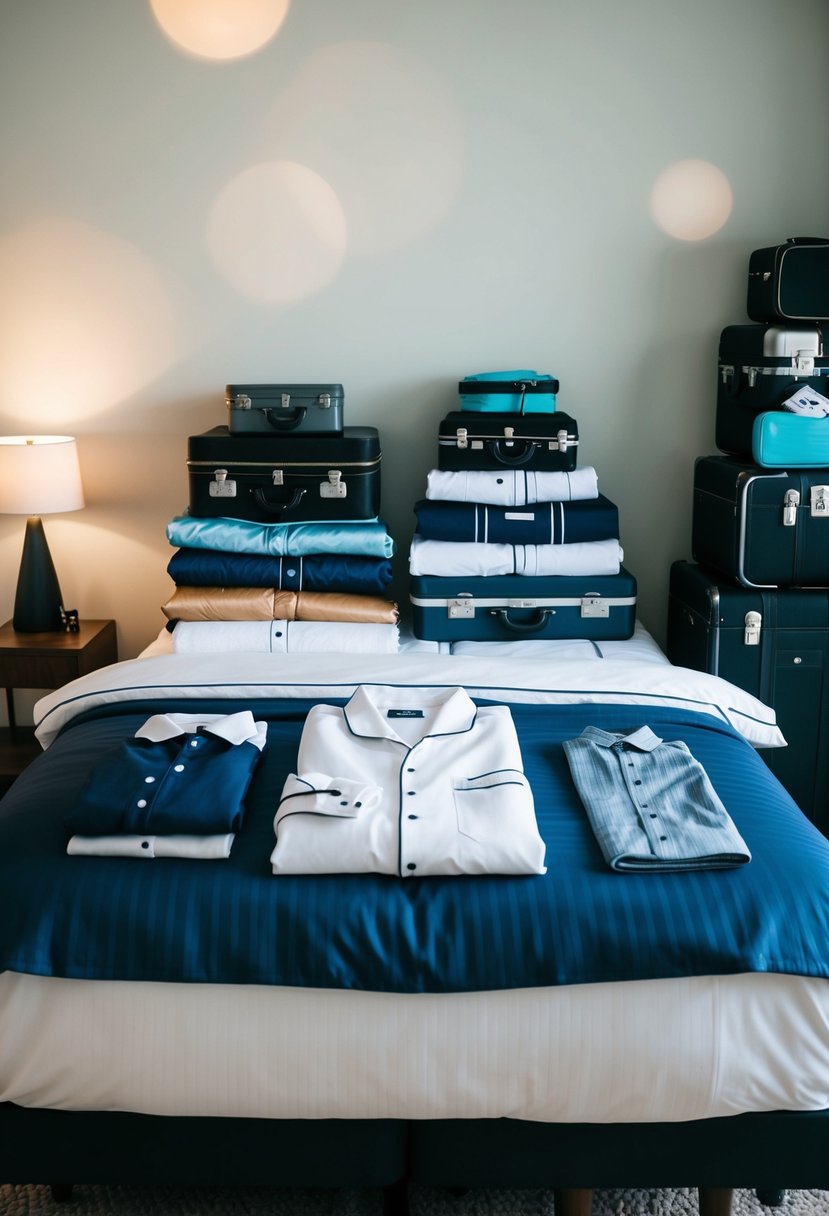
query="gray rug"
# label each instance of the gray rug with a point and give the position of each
(423, 1201)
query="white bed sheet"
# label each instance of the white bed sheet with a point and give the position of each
(652, 1050)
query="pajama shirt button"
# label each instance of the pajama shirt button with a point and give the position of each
(149, 780)
(178, 768)
(413, 816)
(141, 802)
(194, 743)
(411, 866)
(145, 844)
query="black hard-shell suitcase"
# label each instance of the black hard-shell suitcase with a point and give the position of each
(494, 441)
(764, 528)
(790, 282)
(300, 409)
(759, 367)
(285, 478)
(775, 645)
(509, 607)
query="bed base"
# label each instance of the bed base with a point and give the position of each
(762, 1152)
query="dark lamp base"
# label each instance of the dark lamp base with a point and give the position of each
(38, 600)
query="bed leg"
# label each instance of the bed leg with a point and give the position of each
(770, 1199)
(573, 1201)
(61, 1191)
(396, 1199)
(715, 1200)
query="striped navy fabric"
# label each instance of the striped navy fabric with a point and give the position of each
(314, 572)
(544, 523)
(233, 921)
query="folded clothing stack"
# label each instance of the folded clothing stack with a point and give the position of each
(311, 586)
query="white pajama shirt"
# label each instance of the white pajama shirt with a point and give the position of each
(413, 782)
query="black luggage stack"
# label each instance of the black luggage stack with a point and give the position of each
(284, 458)
(753, 606)
(513, 541)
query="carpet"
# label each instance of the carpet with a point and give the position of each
(423, 1201)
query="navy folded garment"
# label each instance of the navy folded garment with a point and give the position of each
(191, 784)
(315, 572)
(542, 523)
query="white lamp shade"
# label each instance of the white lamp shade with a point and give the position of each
(39, 475)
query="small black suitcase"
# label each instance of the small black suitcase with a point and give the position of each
(775, 645)
(763, 528)
(790, 282)
(300, 409)
(510, 607)
(759, 367)
(494, 441)
(285, 478)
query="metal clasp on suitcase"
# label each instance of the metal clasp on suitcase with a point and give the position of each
(324, 401)
(791, 501)
(335, 487)
(241, 402)
(592, 605)
(461, 609)
(220, 486)
(819, 502)
(753, 624)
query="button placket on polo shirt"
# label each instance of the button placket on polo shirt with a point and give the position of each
(630, 762)
(409, 812)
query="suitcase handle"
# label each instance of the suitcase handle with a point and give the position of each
(807, 240)
(532, 626)
(276, 508)
(507, 455)
(284, 421)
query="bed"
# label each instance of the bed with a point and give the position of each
(185, 1021)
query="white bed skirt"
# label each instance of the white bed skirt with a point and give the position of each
(654, 1050)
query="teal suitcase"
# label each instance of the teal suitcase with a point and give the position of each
(775, 645)
(515, 392)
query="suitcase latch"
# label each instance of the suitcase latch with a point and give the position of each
(820, 502)
(563, 441)
(278, 477)
(335, 487)
(286, 401)
(462, 437)
(324, 401)
(509, 435)
(751, 637)
(461, 609)
(241, 402)
(594, 606)
(804, 363)
(791, 501)
(220, 487)
(726, 372)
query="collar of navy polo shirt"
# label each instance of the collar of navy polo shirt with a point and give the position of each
(232, 728)
(365, 712)
(643, 739)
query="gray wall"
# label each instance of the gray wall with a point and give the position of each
(392, 195)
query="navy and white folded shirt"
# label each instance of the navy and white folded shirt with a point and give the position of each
(542, 523)
(314, 572)
(651, 804)
(180, 774)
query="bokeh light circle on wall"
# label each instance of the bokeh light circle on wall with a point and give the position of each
(220, 29)
(86, 320)
(277, 232)
(384, 128)
(691, 200)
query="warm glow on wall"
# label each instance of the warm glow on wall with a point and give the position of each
(85, 321)
(277, 232)
(691, 200)
(220, 29)
(393, 146)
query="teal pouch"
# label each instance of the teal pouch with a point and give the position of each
(780, 440)
(513, 392)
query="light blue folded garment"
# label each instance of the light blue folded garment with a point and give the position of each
(364, 537)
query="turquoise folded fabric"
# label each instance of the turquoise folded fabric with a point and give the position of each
(365, 537)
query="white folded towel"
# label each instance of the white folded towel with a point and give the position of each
(284, 637)
(512, 487)
(469, 559)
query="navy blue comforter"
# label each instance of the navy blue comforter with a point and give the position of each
(234, 922)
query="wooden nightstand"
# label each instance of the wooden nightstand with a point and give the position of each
(44, 660)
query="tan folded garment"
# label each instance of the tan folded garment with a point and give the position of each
(267, 604)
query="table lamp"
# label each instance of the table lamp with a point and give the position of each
(39, 475)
